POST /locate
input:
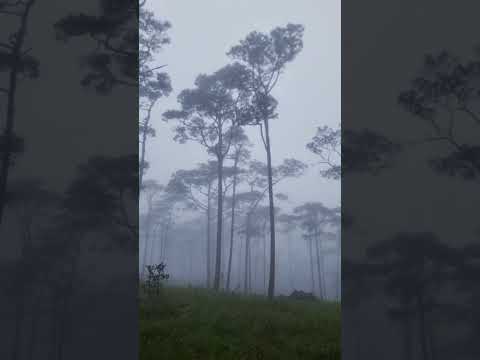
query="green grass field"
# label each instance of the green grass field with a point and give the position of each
(188, 324)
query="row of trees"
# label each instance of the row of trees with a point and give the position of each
(213, 114)
(237, 95)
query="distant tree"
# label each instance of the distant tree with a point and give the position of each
(151, 189)
(415, 267)
(266, 56)
(209, 115)
(239, 156)
(445, 96)
(153, 83)
(257, 181)
(16, 61)
(163, 214)
(289, 224)
(197, 189)
(313, 217)
(33, 205)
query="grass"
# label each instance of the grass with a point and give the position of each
(189, 324)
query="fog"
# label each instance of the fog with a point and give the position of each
(308, 95)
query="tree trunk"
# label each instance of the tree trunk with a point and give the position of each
(151, 258)
(265, 262)
(247, 253)
(218, 255)
(146, 242)
(271, 280)
(310, 252)
(319, 270)
(239, 283)
(232, 223)
(144, 143)
(289, 260)
(208, 237)
(142, 159)
(10, 117)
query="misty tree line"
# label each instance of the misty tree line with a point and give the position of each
(50, 234)
(430, 287)
(231, 189)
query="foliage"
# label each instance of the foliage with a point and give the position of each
(211, 111)
(156, 274)
(114, 31)
(445, 96)
(362, 151)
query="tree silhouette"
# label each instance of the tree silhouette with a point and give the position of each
(257, 180)
(113, 60)
(196, 187)
(240, 155)
(265, 56)
(153, 83)
(16, 61)
(416, 266)
(313, 217)
(445, 96)
(209, 115)
(151, 189)
(289, 224)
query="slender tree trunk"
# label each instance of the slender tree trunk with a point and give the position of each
(271, 279)
(250, 247)
(190, 265)
(152, 248)
(240, 257)
(218, 256)
(339, 273)
(160, 239)
(146, 242)
(142, 158)
(208, 238)
(232, 223)
(146, 123)
(10, 118)
(289, 260)
(265, 263)
(165, 242)
(319, 270)
(247, 253)
(310, 252)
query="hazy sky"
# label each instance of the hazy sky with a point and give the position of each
(308, 92)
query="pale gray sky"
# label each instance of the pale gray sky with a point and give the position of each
(308, 93)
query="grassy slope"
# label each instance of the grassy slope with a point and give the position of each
(197, 324)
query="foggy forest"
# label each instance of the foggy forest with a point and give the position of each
(219, 222)
(249, 179)
(232, 201)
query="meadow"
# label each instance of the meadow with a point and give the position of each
(193, 323)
